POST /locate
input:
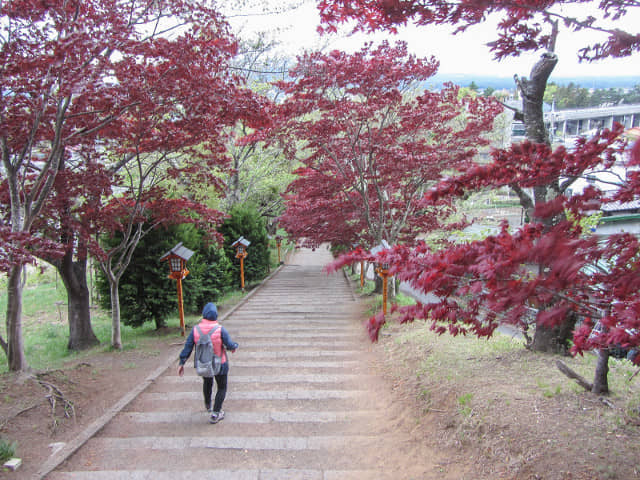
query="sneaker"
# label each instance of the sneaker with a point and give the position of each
(216, 416)
(207, 407)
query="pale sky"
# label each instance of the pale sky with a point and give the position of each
(462, 53)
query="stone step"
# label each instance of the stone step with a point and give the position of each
(277, 317)
(262, 394)
(297, 365)
(296, 343)
(181, 454)
(208, 440)
(347, 334)
(189, 381)
(280, 323)
(251, 417)
(195, 404)
(336, 355)
(243, 423)
(249, 330)
(228, 474)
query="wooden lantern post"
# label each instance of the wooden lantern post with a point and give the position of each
(177, 258)
(241, 252)
(354, 246)
(278, 244)
(382, 269)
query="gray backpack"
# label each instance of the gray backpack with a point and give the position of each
(206, 362)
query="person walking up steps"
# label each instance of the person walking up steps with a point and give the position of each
(221, 340)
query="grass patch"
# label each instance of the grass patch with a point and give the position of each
(464, 404)
(46, 345)
(449, 357)
(7, 450)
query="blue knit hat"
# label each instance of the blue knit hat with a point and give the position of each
(210, 312)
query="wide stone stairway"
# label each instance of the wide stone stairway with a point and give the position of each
(303, 401)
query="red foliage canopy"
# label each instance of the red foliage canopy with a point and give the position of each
(91, 88)
(537, 273)
(523, 25)
(371, 143)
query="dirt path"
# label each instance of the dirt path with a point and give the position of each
(306, 400)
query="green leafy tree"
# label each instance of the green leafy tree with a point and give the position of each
(260, 172)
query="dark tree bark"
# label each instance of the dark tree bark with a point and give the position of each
(532, 91)
(553, 339)
(600, 382)
(15, 344)
(546, 339)
(378, 285)
(573, 375)
(74, 275)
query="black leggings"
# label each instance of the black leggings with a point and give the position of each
(221, 391)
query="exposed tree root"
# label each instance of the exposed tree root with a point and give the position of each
(55, 395)
(630, 419)
(573, 375)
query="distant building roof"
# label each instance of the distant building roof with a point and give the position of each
(613, 207)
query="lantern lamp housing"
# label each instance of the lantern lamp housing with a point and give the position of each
(177, 258)
(384, 245)
(241, 244)
(175, 264)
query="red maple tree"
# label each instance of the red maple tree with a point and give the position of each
(544, 266)
(372, 141)
(112, 81)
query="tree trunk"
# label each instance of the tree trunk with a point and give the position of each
(378, 284)
(15, 342)
(74, 276)
(546, 339)
(600, 382)
(116, 339)
(553, 339)
(532, 91)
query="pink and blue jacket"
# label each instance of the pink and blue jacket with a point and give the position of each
(219, 338)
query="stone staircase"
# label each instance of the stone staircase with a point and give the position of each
(302, 399)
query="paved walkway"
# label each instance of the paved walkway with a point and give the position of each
(301, 402)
